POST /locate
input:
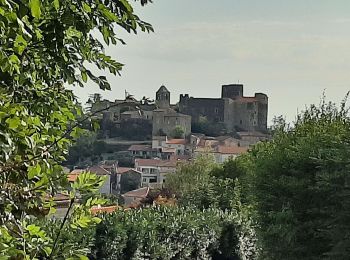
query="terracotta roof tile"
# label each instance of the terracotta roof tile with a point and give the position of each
(122, 170)
(231, 149)
(139, 193)
(155, 162)
(108, 209)
(176, 141)
(98, 170)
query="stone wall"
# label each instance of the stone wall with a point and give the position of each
(165, 121)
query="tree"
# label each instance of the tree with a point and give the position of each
(204, 185)
(300, 187)
(46, 45)
(178, 132)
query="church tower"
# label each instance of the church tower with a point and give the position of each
(163, 97)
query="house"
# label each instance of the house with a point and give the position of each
(127, 179)
(253, 137)
(178, 144)
(143, 151)
(154, 171)
(135, 196)
(106, 187)
(221, 153)
(171, 147)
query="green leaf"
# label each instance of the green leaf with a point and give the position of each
(20, 44)
(33, 230)
(107, 13)
(56, 4)
(72, 32)
(13, 123)
(86, 7)
(47, 250)
(84, 76)
(35, 8)
(34, 171)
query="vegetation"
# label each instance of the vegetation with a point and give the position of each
(161, 233)
(299, 186)
(44, 46)
(178, 132)
(209, 128)
(286, 199)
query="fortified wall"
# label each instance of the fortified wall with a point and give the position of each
(237, 112)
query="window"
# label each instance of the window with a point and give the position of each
(153, 180)
(240, 121)
(216, 110)
(250, 105)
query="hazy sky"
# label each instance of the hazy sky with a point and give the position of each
(290, 50)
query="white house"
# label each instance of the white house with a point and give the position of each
(154, 171)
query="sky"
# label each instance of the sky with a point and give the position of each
(294, 51)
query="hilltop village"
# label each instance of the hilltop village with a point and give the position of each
(149, 138)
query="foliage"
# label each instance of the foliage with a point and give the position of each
(45, 45)
(178, 132)
(205, 185)
(86, 147)
(299, 182)
(204, 126)
(161, 233)
(131, 129)
(193, 184)
(129, 181)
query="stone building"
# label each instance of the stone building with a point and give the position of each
(166, 119)
(237, 112)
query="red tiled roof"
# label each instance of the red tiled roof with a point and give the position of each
(61, 197)
(122, 170)
(98, 170)
(176, 141)
(139, 193)
(155, 162)
(231, 149)
(77, 171)
(109, 209)
(168, 150)
(72, 177)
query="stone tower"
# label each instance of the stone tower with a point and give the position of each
(163, 97)
(232, 91)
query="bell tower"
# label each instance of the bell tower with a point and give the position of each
(163, 97)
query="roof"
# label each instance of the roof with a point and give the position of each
(73, 175)
(254, 133)
(107, 209)
(155, 162)
(163, 89)
(139, 193)
(231, 149)
(77, 171)
(176, 141)
(61, 197)
(122, 170)
(98, 170)
(140, 147)
(168, 150)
